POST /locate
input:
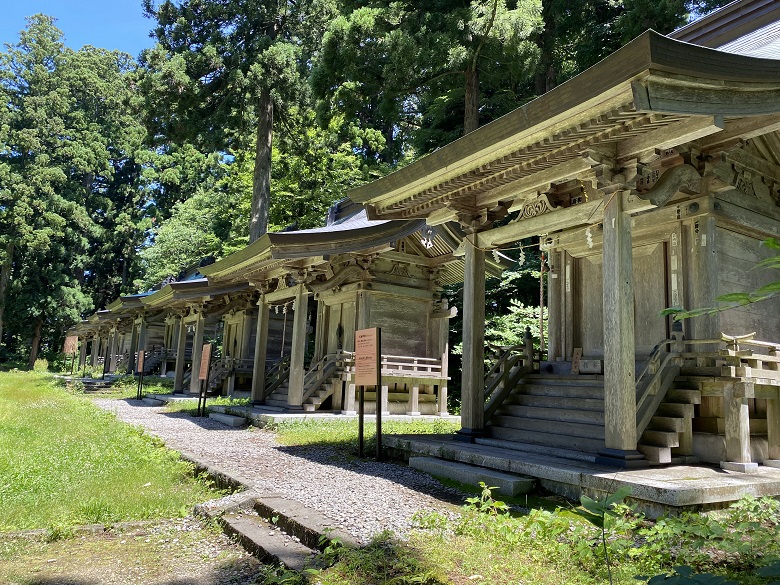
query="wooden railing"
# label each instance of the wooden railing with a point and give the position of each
(656, 377)
(276, 375)
(511, 364)
(401, 366)
(330, 366)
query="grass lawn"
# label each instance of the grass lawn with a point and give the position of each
(64, 462)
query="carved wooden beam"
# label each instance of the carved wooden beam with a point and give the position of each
(680, 178)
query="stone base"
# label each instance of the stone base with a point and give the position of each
(740, 467)
(410, 413)
(772, 463)
(621, 459)
(468, 435)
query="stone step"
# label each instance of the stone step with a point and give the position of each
(555, 401)
(548, 451)
(683, 396)
(655, 455)
(152, 401)
(567, 391)
(304, 523)
(675, 409)
(667, 423)
(505, 483)
(554, 440)
(571, 429)
(573, 380)
(660, 438)
(267, 542)
(553, 414)
(228, 419)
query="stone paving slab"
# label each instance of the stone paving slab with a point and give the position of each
(504, 483)
(656, 490)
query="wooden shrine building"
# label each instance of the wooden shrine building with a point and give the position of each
(651, 179)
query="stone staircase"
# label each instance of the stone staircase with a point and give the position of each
(322, 393)
(278, 398)
(564, 416)
(565, 413)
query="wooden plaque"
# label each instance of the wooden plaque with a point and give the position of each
(205, 358)
(366, 357)
(139, 367)
(575, 360)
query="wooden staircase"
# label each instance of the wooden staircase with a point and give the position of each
(559, 412)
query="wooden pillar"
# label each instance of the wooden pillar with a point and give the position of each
(413, 407)
(197, 351)
(131, 352)
(142, 336)
(298, 351)
(83, 353)
(444, 355)
(363, 317)
(554, 308)
(773, 430)
(261, 348)
(113, 351)
(737, 427)
(473, 383)
(619, 360)
(702, 285)
(95, 349)
(321, 331)
(181, 346)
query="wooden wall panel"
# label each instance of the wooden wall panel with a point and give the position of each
(650, 299)
(737, 257)
(404, 324)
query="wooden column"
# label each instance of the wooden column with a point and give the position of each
(298, 351)
(181, 346)
(702, 285)
(113, 351)
(737, 427)
(197, 351)
(142, 336)
(83, 353)
(473, 384)
(773, 430)
(131, 352)
(321, 331)
(619, 360)
(95, 349)
(261, 349)
(554, 308)
(444, 355)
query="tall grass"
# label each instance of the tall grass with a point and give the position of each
(64, 462)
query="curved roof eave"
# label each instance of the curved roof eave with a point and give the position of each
(608, 81)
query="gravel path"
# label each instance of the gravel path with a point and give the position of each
(363, 497)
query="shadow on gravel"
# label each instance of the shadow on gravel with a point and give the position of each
(342, 456)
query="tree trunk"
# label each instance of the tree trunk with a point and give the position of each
(471, 116)
(261, 181)
(5, 276)
(35, 344)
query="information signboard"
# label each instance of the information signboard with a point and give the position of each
(205, 359)
(140, 365)
(366, 357)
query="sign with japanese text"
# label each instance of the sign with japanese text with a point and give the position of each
(366, 357)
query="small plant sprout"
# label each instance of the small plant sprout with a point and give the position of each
(485, 504)
(596, 512)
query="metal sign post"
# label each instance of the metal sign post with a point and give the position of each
(203, 376)
(140, 371)
(368, 373)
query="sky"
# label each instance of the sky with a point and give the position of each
(108, 24)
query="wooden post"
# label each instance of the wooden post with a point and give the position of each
(473, 385)
(197, 351)
(298, 350)
(113, 351)
(131, 349)
(142, 336)
(737, 431)
(702, 278)
(554, 308)
(83, 353)
(181, 346)
(95, 349)
(413, 407)
(773, 431)
(261, 348)
(619, 360)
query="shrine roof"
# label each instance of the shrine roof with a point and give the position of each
(655, 92)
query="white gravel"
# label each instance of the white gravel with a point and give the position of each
(363, 497)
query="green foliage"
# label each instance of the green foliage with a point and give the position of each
(485, 504)
(66, 462)
(738, 299)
